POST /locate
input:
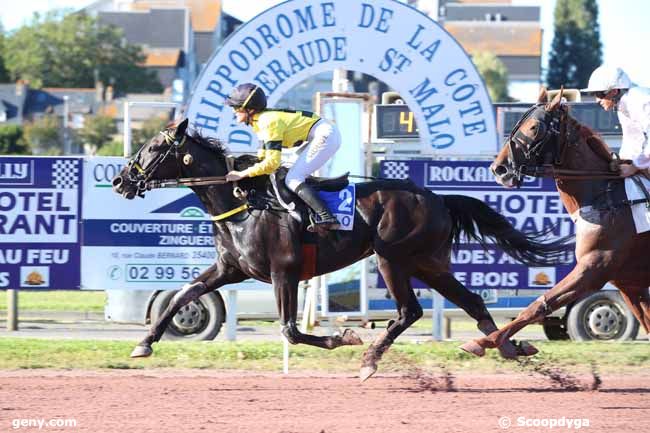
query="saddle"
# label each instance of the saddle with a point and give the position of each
(286, 196)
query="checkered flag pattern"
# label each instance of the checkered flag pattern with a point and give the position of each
(65, 173)
(396, 170)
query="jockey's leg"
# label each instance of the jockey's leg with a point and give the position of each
(214, 277)
(323, 142)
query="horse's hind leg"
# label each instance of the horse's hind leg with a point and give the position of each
(471, 303)
(584, 278)
(285, 285)
(214, 277)
(408, 308)
(638, 299)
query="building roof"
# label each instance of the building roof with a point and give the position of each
(203, 13)
(155, 28)
(495, 12)
(161, 57)
(82, 101)
(500, 38)
(12, 100)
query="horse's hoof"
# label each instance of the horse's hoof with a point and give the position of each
(141, 352)
(508, 350)
(527, 349)
(474, 348)
(366, 372)
(351, 338)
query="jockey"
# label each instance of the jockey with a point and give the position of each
(614, 91)
(278, 128)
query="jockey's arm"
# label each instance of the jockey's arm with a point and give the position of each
(270, 159)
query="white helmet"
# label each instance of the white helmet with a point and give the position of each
(606, 78)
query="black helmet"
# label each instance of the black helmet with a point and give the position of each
(247, 95)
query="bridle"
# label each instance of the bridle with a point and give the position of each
(531, 156)
(141, 177)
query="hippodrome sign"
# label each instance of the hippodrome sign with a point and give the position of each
(391, 41)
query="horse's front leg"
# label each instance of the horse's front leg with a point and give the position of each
(285, 285)
(211, 279)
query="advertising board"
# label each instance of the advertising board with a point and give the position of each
(535, 207)
(40, 202)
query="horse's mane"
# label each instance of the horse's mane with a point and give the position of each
(592, 139)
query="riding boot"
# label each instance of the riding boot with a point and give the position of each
(325, 218)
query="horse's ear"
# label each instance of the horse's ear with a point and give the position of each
(181, 129)
(555, 103)
(542, 95)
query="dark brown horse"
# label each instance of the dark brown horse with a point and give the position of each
(547, 141)
(411, 231)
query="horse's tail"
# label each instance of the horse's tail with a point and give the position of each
(480, 222)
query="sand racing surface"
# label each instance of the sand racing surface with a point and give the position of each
(199, 400)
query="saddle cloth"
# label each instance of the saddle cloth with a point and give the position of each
(640, 211)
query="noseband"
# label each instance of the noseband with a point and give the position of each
(141, 176)
(524, 150)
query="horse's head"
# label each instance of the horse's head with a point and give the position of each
(163, 157)
(533, 142)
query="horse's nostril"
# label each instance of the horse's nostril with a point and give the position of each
(500, 170)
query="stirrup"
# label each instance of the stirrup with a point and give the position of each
(315, 226)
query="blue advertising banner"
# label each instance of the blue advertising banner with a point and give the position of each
(40, 207)
(536, 206)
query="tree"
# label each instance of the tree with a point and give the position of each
(150, 128)
(114, 148)
(576, 49)
(74, 50)
(11, 141)
(97, 131)
(4, 74)
(494, 73)
(43, 136)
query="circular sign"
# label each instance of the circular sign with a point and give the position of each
(387, 39)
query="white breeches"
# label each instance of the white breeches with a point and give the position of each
(322, 143)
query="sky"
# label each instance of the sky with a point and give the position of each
(624, 25)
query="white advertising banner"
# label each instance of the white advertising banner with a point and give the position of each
(160, 242)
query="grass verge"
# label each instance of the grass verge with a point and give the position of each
(19, 353)
(57, 300)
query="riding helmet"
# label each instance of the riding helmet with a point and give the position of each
(247, 95)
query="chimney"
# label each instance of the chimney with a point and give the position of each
(20, 87)
(99, 91)
(109, 93)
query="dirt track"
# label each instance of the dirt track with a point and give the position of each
(190, 400)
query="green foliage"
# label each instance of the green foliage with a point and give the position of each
(576, 49)
(494, 73)
(4, 74)
(114, 148)
(43, 136)
(150, 128)
(73, 51)
(11, 140)
(97, 131)
(58, 300)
